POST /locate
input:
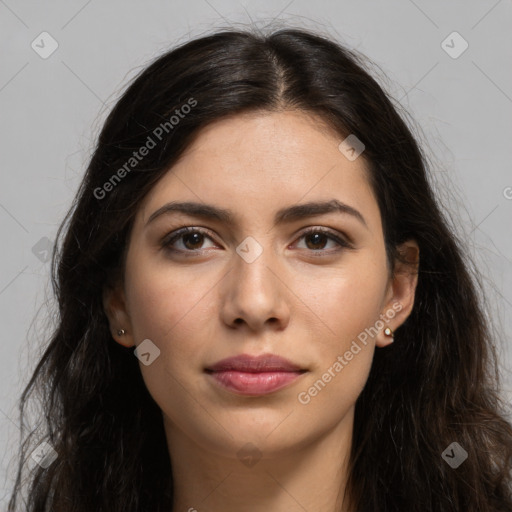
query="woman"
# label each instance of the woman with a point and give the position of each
(257, 227)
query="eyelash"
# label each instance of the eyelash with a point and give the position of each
(169, 239)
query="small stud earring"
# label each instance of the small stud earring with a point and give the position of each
(388, 332)
(120, 332)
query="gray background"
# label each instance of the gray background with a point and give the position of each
(51, 111)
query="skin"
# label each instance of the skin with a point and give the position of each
(289, 301)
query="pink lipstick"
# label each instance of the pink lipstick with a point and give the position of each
(254, 375)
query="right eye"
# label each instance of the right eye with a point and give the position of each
(189, 238)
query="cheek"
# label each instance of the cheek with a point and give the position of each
(347, 300)
(343, 361)
(349, 307)
(168, 306)
(356, 304)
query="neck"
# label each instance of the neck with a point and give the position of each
(309, 477)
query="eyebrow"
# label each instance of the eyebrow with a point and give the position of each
(285, 215)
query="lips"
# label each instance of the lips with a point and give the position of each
(254, 375)
(255, 364)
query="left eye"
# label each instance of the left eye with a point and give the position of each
(193, 238)
(319, 237)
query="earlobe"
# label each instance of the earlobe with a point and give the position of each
(119, 320)
(389, 332)
(402, 289)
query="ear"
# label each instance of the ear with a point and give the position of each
(114, 305)
(401, 290)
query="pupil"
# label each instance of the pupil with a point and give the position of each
(316, 236)
(192, 235)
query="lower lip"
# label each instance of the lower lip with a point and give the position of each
(246, 383)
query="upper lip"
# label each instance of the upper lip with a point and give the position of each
(255, 364)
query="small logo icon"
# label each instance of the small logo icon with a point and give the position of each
(249, 249)
(507, 192)
(44, 455)
(249, 455)
(454, 455)
(147, 352)
(351, 147)
(454, 45)
(43, 249)
(44, 45)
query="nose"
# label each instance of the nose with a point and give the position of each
(254, 295)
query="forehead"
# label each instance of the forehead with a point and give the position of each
(260, 161)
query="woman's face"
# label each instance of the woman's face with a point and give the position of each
(259, 284)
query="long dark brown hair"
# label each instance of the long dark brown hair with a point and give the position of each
(437, 384)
